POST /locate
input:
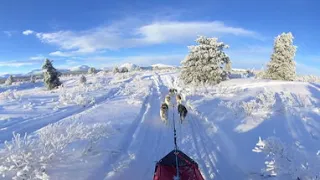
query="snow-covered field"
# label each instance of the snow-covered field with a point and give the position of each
(110, 128)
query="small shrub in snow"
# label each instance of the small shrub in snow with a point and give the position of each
(28, 158)
(204, 63)
(9, 80)
(51, 75)
(283, 160)
(10, 95)
(83, 79)
(308, 78)
(282, 65)
(92, 70)
(77, 95)
(32, 79)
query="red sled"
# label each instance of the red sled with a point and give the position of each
(166, 167)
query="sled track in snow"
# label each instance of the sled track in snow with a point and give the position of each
(32, 124)
(143, 143)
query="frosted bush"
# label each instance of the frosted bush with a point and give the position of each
(308, 78)
(77, 95)
(10, 95)
(92, 70)
(83, 79)
(284, 160)
(29, 157)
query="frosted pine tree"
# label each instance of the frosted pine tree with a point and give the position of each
(205, 62)
(92, 70)
(282, 65)
(83, 79)
(51, 75)
(9, 80)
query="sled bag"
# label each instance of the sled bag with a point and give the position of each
(166, 168)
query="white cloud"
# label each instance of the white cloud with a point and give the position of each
(15, 64)
(160, 32)
(8, 33)
(118, 35)
(38, 57)
(27, 32)
(60, 54)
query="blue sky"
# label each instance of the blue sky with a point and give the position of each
(105, 33)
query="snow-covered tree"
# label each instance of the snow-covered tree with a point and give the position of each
(116, 70)
(287, 161)
(32, 79)
(282, 65)
(83, 79)
(92, 70)
(124, 70)
(205, 62)
(51, 75)
(9, 80)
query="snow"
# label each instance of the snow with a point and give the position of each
(162, 66)
(83, 68)
(130, 66)
(110, 128)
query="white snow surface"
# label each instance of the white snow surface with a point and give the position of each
(110, 127)
(130, 66)
(162, 66)
(84, 68)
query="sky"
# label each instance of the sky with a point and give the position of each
(104, 33)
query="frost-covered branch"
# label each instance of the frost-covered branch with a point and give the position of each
(285, 161)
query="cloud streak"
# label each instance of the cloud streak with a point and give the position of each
(125, 35)
(15, 63)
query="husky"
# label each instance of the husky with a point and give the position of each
(182, 110)
(173, 91)
(164, 112)
(167, 99)
(179, 99)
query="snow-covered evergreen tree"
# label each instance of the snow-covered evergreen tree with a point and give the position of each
(92, 70)
(205, 62)
(124, 70)
(51, 75)
(116, 70)
(9, 80)
(282, 65)
(83, 79)
(32, 79)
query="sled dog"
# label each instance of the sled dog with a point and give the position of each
(173, 91)
(164, 112)
(182, 110)
(167, 99)
(179, 99)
